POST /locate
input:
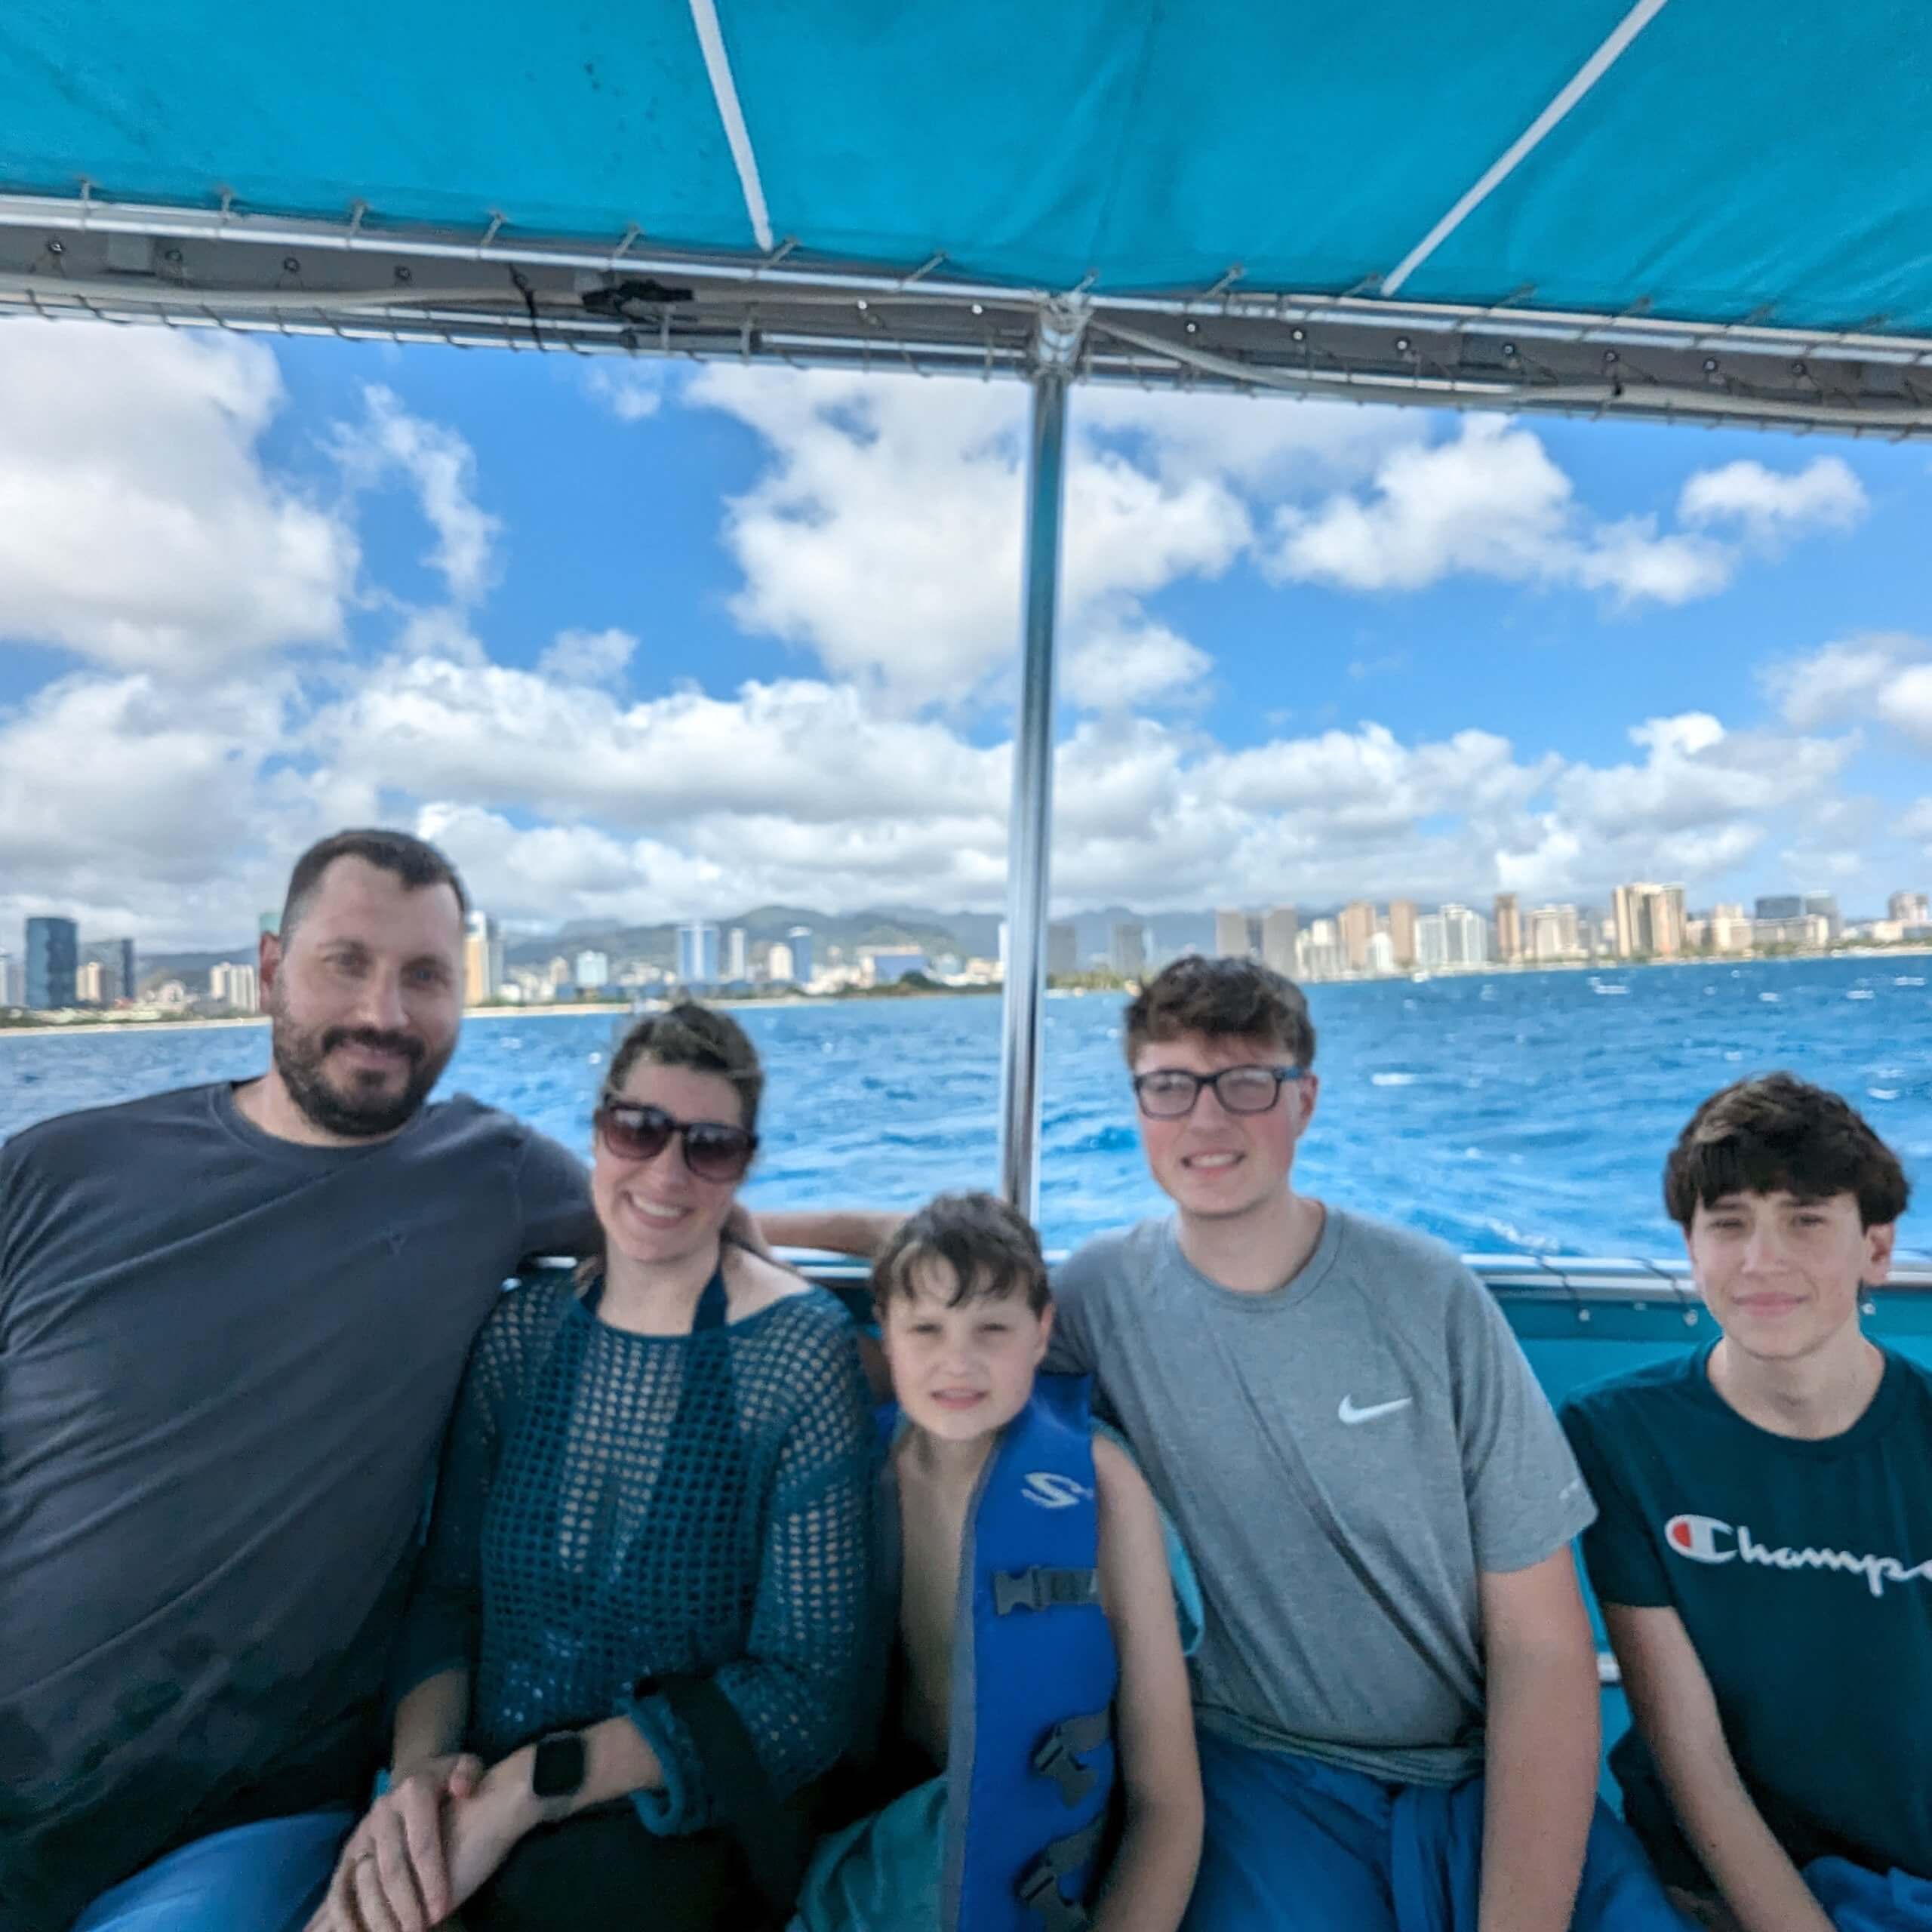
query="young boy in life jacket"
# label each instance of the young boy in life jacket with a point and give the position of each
(1039, 1728)
(1763, 1547)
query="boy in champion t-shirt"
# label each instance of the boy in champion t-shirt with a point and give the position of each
(1763, 1544)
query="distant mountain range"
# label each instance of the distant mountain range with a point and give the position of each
(970, 935)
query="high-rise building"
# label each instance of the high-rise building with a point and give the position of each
(1825, 906)
(1508, 929)
(1356, 925)
(1381, 953)
(1062, 948)
(13, 981)
(90, 983)
(800, 940)
(1127, 950)
(1909, 908)
(592, 970)
(1231, 934)
(53, 955)
(1778, 906)
(115, 958)
(778, 966)
(697, 953)
(1465, 935)
(737, 956)
(1402, 933)
(1318, 954)
(1555, 933)
(1278, 927)
(1649, 919)
(482, 959)
(884, 964)
(234, 984)
(1729, 931)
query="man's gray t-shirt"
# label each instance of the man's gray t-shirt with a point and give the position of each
(1343, 1456)
(226, 1361)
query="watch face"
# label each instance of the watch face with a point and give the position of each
(558, 1771)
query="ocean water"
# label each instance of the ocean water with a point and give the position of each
(1511, 1111)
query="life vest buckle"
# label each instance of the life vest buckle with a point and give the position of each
(1040, 1894)
(1041, 1587)
(1057, 1755)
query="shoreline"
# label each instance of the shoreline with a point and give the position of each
(551, 1010)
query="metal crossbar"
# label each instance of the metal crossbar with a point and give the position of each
(362, 278)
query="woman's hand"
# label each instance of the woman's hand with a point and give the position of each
(393, 1875)
(482, 1831)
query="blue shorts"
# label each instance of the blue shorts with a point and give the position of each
(1856, 1900)
(265, 1877)
(1295, 1846)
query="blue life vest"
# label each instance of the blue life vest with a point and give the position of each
(1030, 1754)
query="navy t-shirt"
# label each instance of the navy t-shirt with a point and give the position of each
(225, 1364)
(1802, 1571)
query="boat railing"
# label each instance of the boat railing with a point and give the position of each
(1627, 1280)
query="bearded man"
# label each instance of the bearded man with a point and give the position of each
(233, 1322)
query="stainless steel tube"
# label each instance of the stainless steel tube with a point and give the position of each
(1030, 828)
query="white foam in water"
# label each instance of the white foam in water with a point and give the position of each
(1770, 999)
(1882, 1093)
(1908, 982)
(1391, 1079)
(1860, 992)
(596, 1060)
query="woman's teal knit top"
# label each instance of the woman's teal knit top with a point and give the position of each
(616, 1508)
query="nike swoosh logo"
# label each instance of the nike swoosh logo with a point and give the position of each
(1349, 1413)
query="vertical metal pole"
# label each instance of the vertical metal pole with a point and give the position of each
(1029, 830)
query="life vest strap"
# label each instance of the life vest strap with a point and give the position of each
(1042, 1589)
(1039, 1884)
(1057, 1755)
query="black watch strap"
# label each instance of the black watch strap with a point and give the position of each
(557, 1769)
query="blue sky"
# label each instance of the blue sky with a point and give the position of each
(641, 642)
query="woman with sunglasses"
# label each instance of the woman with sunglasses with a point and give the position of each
(638, 1631)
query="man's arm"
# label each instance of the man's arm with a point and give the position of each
(1676, 1712)
(1539, 1659)
(1147, 1886)
(862, 1232)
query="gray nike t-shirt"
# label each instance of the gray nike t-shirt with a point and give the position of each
(1344, 1456)
(225, 1364)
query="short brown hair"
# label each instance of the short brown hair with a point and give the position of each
(415, 862)
(1778, 1134)
(1233, 999)
(990, 1247)
(698, 1037)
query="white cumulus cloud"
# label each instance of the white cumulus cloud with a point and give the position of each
(1880, 677)
(138, 525)
(439, 465)
(1490, 501)
(1771, 504)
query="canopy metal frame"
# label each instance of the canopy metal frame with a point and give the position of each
(361, 278)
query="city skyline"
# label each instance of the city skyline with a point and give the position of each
(625, 638)
(1645, 920)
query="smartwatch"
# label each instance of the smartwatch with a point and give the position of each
(557, 1770)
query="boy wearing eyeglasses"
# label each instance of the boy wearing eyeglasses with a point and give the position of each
(1396, 1691)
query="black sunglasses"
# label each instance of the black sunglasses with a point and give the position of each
(713, 1150)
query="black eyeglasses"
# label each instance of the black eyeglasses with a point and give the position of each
(1169, 1093)
(713, 1149)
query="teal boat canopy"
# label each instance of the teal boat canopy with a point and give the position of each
(1716, 210)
